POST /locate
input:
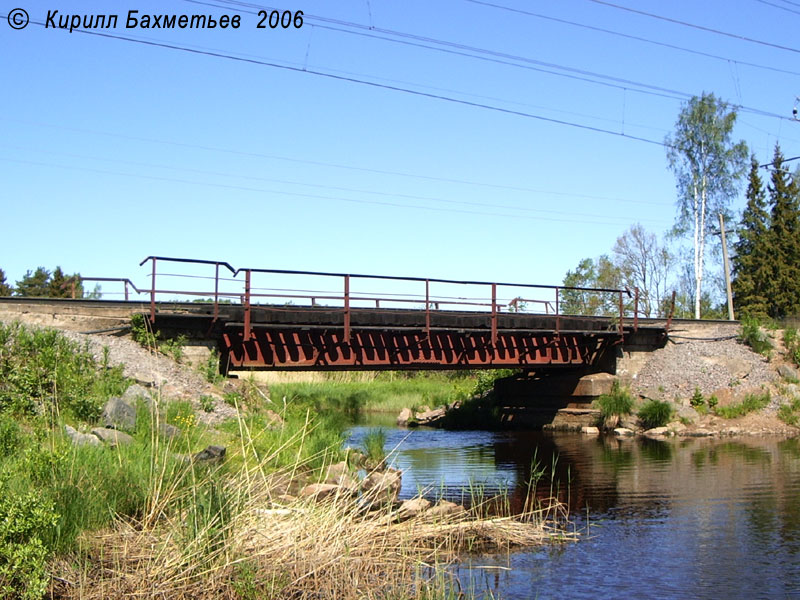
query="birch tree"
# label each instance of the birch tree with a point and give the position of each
(708, 166)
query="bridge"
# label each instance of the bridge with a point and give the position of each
(304, 320)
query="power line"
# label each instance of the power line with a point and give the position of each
(622, 220)
(510, 59)
(633, 37)
(491, 55)
(340, 188)
(325, 164)
(695, 26)
(779, 6)
(373, 84)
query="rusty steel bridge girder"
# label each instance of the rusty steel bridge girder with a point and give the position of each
(293, 348)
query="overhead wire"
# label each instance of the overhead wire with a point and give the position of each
(632, 37)
(621, 220)
(491, 55)
(696, 26)
(395, 88)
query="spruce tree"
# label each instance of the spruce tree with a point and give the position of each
(783, 241)
(752, 260)
(5, 289)
(34, 284)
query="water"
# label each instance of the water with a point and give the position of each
(690, 518)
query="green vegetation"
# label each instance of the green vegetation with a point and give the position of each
(617, 403)
(374, 446)
(754, 336)
(387, 392)
(751, 403)
(697, 398)
(790, 413)
(766, 262)
(655, 413)
(143, 333)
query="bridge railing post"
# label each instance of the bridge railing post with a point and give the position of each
(347, 309)
(494, 315)
(621, 315)
(153, 293)
(636, 309)
(216, 292)
(428, 308)
(247, 305)
(126, 290)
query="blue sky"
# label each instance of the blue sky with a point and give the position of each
(113, 150)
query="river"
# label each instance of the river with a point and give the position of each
(687, 518)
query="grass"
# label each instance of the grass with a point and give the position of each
(378, 395)
(129, 520)
(655, 413)
(750, 403)
(790, 413)
(616, 403)
(374, 444)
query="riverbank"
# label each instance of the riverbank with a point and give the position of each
(123, 474)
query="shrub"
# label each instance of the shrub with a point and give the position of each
(697, 398)
(754, 336)
(655, 413)
(23, 554)
(10, 437)
(751, 403)
(617, 403)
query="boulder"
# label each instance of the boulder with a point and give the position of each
(590, 430)
(404, 417)
(688, 413)
(136, 392)
(336, 470)
(697, 433)
(382, 486)
(444, 508)
(320, 491)
(210, 454)
(119, 414)
(676, 426)
(658, 432)
(81, 439)
(623, 432)
(431, 417)
(788, 373)
(168, 431)
(112, 437)
(412, 508)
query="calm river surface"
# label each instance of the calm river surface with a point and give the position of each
(691, 518)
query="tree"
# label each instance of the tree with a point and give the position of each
(61, 286)
(644, 264)
(602, 273)
(707, 167)
(783, 242)
(5, 289)
(34, 284)
(752, 260)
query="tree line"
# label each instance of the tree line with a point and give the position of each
(709, 167)
(43, 283)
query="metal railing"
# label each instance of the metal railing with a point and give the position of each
(489, 303)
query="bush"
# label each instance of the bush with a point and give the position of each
(697, 398)
(755, 337)
(23, 554)
(619, 402)
(655, 413)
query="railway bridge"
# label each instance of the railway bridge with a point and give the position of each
(301, 320)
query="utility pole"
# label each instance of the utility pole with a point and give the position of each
(726, 267)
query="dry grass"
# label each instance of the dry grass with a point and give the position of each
(255, 546)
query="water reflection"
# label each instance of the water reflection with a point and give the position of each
(698, 518)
